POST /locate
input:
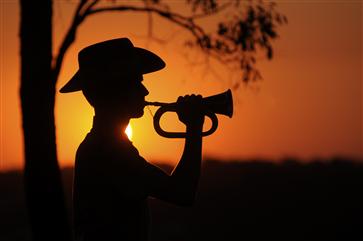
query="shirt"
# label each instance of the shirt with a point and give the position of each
(110, 190)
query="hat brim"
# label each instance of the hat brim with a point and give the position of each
(147, 62)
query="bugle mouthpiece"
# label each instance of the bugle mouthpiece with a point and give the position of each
(155, 103)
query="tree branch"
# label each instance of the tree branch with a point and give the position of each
(185, 22)
(215, 11)
(86, 8)
(81, 12)
(234, 40)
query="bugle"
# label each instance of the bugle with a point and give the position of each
(216, 104)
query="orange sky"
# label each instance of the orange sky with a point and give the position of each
(308, 105)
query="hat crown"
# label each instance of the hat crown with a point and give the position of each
(105, 52)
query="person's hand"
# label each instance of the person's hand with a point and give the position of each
(190, 110)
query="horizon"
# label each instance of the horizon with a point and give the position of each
(253, 161)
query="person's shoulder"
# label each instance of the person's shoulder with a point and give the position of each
(127, 155)
(127, 146)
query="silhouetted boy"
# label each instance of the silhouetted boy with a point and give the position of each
(112, 181)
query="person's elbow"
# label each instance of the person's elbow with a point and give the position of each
(183, 193)
(186, 197)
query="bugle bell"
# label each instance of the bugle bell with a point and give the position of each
(216, 104)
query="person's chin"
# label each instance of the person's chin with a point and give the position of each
(138, 114)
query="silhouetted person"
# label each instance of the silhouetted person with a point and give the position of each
(112, 181)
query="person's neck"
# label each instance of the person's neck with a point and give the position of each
(109, 126)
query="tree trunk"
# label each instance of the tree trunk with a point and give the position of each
(44, 193)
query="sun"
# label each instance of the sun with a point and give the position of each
(128, 131)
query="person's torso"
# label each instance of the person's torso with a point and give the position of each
(106, 204)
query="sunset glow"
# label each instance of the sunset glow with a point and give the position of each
(309, 104)
(128, 131)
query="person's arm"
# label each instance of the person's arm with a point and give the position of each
(180, 187)
(186, 174)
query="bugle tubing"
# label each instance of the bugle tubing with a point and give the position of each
(216, 104)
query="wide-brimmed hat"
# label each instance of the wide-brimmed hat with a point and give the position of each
(120, 53)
